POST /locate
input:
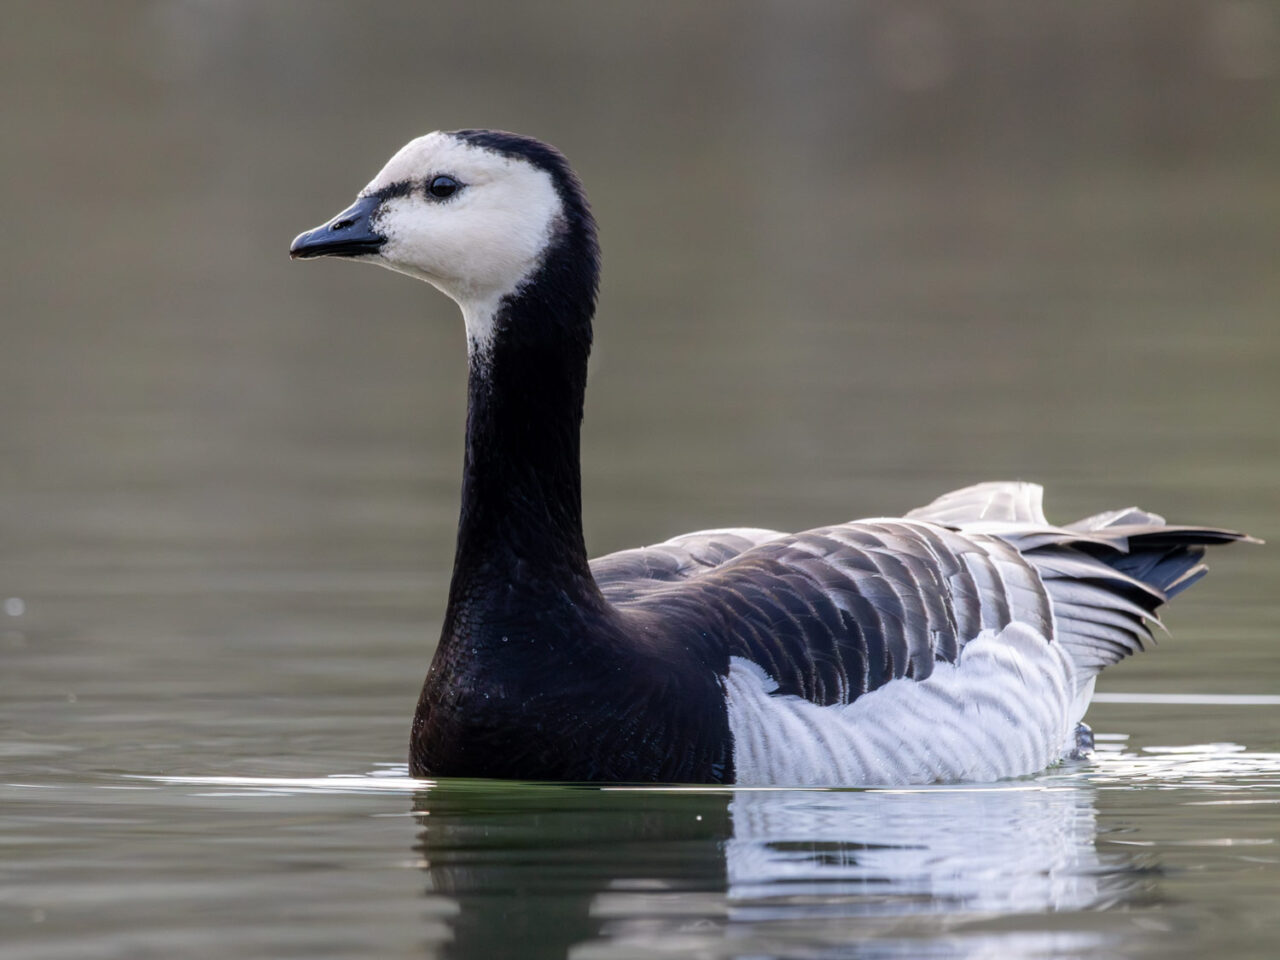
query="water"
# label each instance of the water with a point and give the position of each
(852, 260)
(1141, 852)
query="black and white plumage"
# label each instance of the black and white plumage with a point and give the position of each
(959, 642)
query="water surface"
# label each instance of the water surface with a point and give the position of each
(1152, 852)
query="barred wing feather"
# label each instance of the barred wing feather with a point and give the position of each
(836, 612)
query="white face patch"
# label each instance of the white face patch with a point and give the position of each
(476, 246)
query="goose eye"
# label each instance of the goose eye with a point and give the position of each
(442, 187)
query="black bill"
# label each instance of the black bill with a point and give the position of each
(349, 234)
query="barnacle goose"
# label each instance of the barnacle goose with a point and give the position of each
(957, 643)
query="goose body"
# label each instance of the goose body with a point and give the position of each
(959, 642)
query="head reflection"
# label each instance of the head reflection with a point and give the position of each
(941, 872)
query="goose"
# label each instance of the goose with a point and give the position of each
(959, 642)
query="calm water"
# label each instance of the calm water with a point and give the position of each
(854, 257)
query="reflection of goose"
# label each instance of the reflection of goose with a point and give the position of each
(959, 643)
(521, 868)
(570, 872)
(995, 850)
(884, 873)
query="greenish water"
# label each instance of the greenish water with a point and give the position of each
(853, 258)
(1141, 852)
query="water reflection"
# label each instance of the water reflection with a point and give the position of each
(1143, 851)
(769, 872)
(525, 866)
(994, 850)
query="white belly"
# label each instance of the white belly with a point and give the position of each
(1006, 708)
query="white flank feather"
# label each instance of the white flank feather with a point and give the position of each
(1006, 708)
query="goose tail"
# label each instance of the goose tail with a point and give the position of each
(1107, 575)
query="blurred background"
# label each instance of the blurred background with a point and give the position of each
(855, 255)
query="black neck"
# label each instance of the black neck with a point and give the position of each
(520, 539)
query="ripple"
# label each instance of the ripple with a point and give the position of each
(1192, 699)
